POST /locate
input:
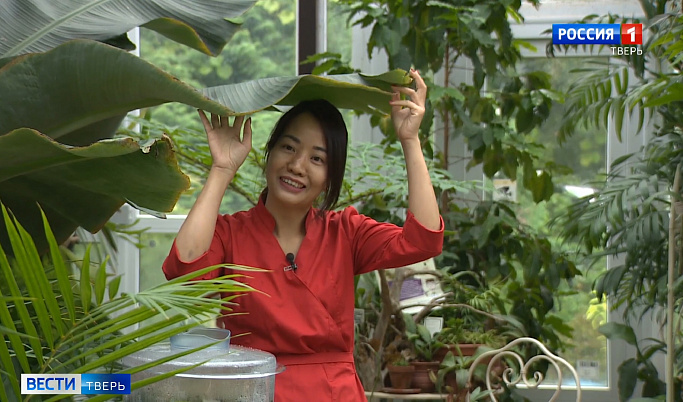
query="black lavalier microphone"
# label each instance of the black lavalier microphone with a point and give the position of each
(292, 264)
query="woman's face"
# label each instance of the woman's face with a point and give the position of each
(296, 171)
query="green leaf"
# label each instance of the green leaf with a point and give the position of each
(62, 272)
(619, 110)
(39, 291)
(26, 320)
(201, 24)
(424, 333)
(613, 330)
(542, 187)
(84, 186)
(347, 91)
(674, 93)
(628, 378)
(101, 281)
(437, 92)
(411, 327)
(5, 356)
(90, 77)
(524, 120)
(86, 289)
(114, 286)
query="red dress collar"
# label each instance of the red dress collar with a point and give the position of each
(266, 218)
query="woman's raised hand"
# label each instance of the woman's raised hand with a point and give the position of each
(228, 148)
(407, 113)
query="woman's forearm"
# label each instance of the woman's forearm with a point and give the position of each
(421, 198)
(196, 233)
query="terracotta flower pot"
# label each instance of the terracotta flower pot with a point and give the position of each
(467, 349)
(401, 376)
(421, 378)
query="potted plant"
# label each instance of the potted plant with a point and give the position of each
(401, 373)
(424, 345)
(451, 377)
(461, 340)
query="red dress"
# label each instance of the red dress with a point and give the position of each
(305, 317)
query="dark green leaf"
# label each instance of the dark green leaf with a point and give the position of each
(613, 330)
(628, 378)
(84, 186)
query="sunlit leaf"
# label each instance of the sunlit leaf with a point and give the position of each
(28, 26)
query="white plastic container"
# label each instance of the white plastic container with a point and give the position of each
(228, 373)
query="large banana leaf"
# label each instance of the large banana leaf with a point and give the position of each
(83, 186)
(348, 91)
(51, 322)
(78, 93)
(31, 98)
(29, 26)
(103, 83)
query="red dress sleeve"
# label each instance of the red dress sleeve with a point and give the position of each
(218, 253)
(379, 245)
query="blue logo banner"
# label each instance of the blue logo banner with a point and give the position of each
(588, 34)
(105, 384)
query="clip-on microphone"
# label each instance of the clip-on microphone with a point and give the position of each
(292, 265)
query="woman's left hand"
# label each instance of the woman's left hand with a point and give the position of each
(407, 113)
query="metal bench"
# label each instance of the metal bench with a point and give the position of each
(515, 371)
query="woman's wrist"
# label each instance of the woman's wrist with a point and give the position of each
(411, 143)
(223, 170)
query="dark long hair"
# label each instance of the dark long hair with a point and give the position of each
(336, 142)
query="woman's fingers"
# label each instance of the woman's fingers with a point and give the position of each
(417, 95)
(405, 90)
(238, 122)
(218, 122)
(415, 109)
(205, 121)
(420, 85)
(247, 133)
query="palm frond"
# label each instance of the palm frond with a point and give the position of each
(54, 322)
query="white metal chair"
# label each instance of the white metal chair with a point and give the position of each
(514, 374)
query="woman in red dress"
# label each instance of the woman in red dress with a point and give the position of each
(305, 314)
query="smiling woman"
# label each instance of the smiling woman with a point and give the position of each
(311, 137)
(305, 314)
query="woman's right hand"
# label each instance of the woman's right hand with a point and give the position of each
(228, 148)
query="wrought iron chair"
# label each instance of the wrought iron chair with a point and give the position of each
(516, 371)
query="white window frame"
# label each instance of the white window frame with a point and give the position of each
(537, 21)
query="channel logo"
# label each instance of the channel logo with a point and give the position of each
(597, 34)
(71, 384)
(631, 34)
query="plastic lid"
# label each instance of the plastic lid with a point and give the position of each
(221, 361)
